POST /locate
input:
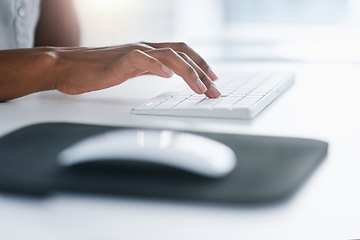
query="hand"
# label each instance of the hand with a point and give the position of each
(80, 70)
(93, 69)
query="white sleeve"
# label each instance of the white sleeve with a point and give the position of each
(18, 20)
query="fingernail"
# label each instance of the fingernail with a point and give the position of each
(214, 91)
(167, 71)
(212, 75)
(201, 85)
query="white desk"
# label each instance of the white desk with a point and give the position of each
(322, 104)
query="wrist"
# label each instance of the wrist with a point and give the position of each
(45, 69)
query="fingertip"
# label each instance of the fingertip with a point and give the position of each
(214, 91)
(212, 75)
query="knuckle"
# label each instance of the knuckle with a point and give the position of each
(202, 77)
(134, 54)
(182, 45)
(133, 57)
(183, 55)
(192, 72)
(203, 64)
(143, 46)
(169, 51)
(137, 56)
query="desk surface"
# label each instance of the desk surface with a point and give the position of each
(323, 104)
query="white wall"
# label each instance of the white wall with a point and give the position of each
(201, 24)
(111, 22)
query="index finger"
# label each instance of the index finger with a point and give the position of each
(183, 47)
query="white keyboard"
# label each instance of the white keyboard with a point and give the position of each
(243, 97)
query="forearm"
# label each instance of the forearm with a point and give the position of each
(25, 71)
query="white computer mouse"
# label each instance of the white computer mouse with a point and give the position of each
(185, 151)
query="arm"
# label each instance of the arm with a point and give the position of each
(80, 70)
(58, 24)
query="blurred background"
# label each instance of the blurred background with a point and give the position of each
(267, 30)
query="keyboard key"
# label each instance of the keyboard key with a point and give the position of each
(146, 106)
(185, 105)
(223, 105)
(166, 105)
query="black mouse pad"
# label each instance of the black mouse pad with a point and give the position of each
(268, 168)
